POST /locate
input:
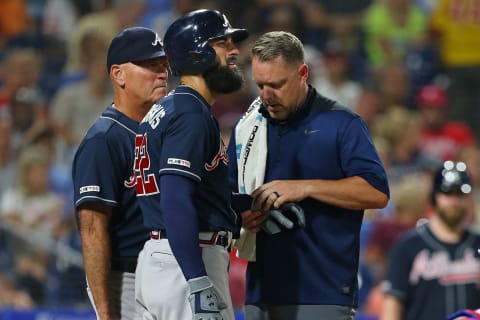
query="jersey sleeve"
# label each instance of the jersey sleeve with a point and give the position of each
(359, 156)
(396, 282)
(94, 175)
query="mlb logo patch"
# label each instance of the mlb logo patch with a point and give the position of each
(179, 162)
(89, 189)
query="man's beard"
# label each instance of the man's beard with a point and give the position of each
(223, 79)
(453, 217)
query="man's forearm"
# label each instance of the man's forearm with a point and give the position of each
(96, 256)
(350, 193)
(96, 250)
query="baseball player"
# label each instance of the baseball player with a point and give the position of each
(434, 270)
(110, 221)
(182, 177)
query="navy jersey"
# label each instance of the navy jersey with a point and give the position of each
(180, 136)
(434, 279)
(317, 264)
(102, 171)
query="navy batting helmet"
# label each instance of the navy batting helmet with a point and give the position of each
(187, 39)
(451, 178)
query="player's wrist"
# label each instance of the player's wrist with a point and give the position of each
(199, 284)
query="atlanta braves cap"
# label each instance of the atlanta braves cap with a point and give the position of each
(133, 45)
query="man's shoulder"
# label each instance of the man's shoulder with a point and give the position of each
(417, 237)
(324, 103)
(330, 110)
(109, 126)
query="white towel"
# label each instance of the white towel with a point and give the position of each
(251, 147)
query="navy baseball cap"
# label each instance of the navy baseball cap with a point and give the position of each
(133, 45)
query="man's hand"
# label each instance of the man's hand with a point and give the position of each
(252, 219)
(204, 300)
(273, 194)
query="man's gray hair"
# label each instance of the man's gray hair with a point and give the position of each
(278, 44)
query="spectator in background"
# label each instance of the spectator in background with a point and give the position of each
(392, 28)
(32, 204)
(368, 105)
(8, 171)
(334, 82)
(59, 19)
(10, 296)
(76, 106)
(401, 128)
(60, 175)
(433, 270)
(33, 213)
(343, 22)
(29, 117)
(441, 137)
(109, 22)
(7, 154)
(275, 15)
(392, 85)
(20, 68)
(455, 27)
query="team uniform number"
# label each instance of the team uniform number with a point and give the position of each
(146, 183)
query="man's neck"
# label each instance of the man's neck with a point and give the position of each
(136, 113)
(198, 84)
(445, 233)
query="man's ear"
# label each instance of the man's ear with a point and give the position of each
(303, 71)
(117, 75)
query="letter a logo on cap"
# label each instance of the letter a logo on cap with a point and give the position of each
(157, 40)
(226, 24)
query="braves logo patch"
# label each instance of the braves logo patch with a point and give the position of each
(89, 189)
(220, 156)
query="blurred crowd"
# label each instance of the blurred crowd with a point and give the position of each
(410, 68)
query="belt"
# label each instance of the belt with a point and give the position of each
(220, 238)
(124, 264)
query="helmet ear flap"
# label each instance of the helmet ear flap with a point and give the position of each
(203, 60)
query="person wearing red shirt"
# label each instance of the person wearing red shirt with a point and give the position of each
(440, 137)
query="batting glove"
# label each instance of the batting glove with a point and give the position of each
(204, 300)
(278, 218)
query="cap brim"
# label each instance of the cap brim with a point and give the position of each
(238, 34)
(157, 54)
